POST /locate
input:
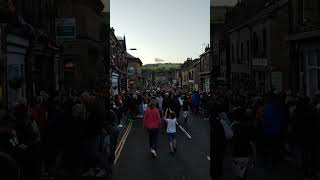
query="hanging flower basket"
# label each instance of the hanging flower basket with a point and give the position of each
(15, 83)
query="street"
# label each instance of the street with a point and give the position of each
(189, 163)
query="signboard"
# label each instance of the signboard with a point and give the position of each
(65, 29)
(130, 71)
(276, 80)
(259, 62)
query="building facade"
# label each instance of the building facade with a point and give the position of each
(205, 70)
(258, 52)
(118, 63)
(304, 42)
(84, 42)
(135, 79)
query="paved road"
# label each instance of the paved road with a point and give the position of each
(190, 162)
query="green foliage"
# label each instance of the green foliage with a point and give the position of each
(159, 68)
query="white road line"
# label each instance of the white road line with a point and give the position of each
(208, 157)
(188, 135)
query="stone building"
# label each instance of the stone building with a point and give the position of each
(30, 49)
(205, 71)
(220, 66)
(118, 62)
(190, 73)
(83, 42)
(135, 80)
(304, 42)
(259, 59)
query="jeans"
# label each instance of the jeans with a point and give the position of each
(153, 138)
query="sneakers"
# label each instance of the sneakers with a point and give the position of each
(153, 152)
(89, 173)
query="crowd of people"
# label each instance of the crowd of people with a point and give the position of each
(72, 131)
(66, 134)
(160, 109)
(265, 131)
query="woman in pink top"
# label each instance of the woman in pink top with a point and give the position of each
(152, 123)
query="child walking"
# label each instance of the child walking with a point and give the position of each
(171, 130)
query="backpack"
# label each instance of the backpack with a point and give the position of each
(228, 132)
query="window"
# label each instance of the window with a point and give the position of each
(242, 52)
(238, 52)
(232, 53)
(248, 51)
(255, 44)
(264, 36)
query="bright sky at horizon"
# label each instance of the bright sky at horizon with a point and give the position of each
(168, 30)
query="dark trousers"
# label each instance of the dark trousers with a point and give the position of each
(309, 160)
(153, 138)
(217, 165)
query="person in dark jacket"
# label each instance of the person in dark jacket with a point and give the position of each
(243, 144)
(305, 120)
(217, 146)
(273, 128)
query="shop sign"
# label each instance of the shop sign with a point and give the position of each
(259, 62)
(276, 80)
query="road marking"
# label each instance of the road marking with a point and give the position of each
(119, 144)
(123, 139)
(122, 142)
(208, 157)
(188, 135)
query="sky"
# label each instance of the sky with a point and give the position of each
(162, 30)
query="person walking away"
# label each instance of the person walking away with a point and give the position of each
(144, 106)
(244, 151)
(177, 105)
(273, 126)
(306, 133)
(205, 105)
(152, 123)
(159, 100)
(94, 155)
(40, 115)
(185, 109)
(29, 137)
(171, 120)
(195, 102)
(218, 145)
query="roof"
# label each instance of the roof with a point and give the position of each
(208, 51)
(129, 56)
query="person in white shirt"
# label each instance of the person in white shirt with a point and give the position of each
(171, 130)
